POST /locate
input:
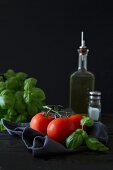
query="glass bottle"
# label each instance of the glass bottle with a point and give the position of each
(81, 82)
(94, 107)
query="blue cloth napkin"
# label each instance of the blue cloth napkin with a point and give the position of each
(40, 144)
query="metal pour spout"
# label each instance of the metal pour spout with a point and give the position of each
(83, 49)
(82, 40)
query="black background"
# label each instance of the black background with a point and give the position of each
(41, 38)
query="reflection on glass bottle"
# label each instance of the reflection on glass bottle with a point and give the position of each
(81, 82)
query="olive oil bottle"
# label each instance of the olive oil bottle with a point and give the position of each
(81, 82)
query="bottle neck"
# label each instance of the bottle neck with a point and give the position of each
(82, 62)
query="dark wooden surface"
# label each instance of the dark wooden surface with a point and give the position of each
(15, 156)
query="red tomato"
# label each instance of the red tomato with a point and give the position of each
(60, 128)
(40, 121)
(76, 119)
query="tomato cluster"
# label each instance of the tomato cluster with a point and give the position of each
(57, 129)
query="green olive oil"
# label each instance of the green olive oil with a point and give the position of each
(81, 82)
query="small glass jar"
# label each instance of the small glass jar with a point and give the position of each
(94, 107)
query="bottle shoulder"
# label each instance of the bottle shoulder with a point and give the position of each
(82, 73)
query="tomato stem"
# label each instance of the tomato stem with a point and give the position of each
(50, 109)
(46, 114)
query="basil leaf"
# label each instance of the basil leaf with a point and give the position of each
(75, 139)
(86, 121)
(7, 99)
(95, 145)
(29, 83)
(10, 73)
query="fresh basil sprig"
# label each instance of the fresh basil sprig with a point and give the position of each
(20, 98)
(77, 138)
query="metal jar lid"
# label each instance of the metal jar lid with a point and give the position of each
(94, 94)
